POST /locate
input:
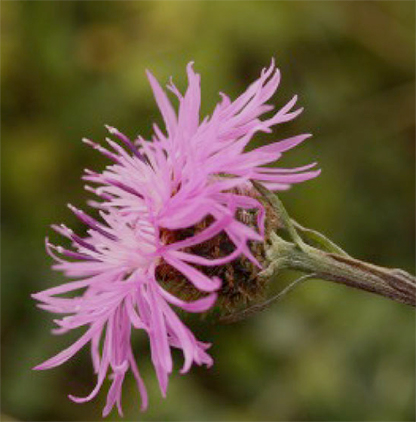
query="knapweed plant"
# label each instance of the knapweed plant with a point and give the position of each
(188, 220)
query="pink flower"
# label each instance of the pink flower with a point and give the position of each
(197, 171)
(116, 266)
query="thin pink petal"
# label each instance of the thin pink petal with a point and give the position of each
(198, 279)
(164, 104)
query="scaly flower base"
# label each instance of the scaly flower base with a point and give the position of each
(312, 253)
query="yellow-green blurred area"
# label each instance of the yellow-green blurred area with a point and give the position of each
(323, 353)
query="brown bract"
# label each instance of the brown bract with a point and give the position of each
(240, 284)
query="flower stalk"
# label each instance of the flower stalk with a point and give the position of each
(311, 252)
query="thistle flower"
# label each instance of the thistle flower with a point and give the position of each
(171, 212)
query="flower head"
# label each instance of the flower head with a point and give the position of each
(163, 203)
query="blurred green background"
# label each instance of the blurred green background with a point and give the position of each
(323, 353)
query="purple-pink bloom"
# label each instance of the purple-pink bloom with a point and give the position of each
(193, 171)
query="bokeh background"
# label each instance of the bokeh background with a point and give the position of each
(324, 352)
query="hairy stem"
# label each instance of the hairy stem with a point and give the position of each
(394, 284)
(313, 253)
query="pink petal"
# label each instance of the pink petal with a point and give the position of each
(164, 104)
(196, 306)
(67, 354)
(198, 279)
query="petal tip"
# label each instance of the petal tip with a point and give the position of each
(38, 367)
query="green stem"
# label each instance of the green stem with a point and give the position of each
(390, 283)
(327, 261)
(319, 240)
